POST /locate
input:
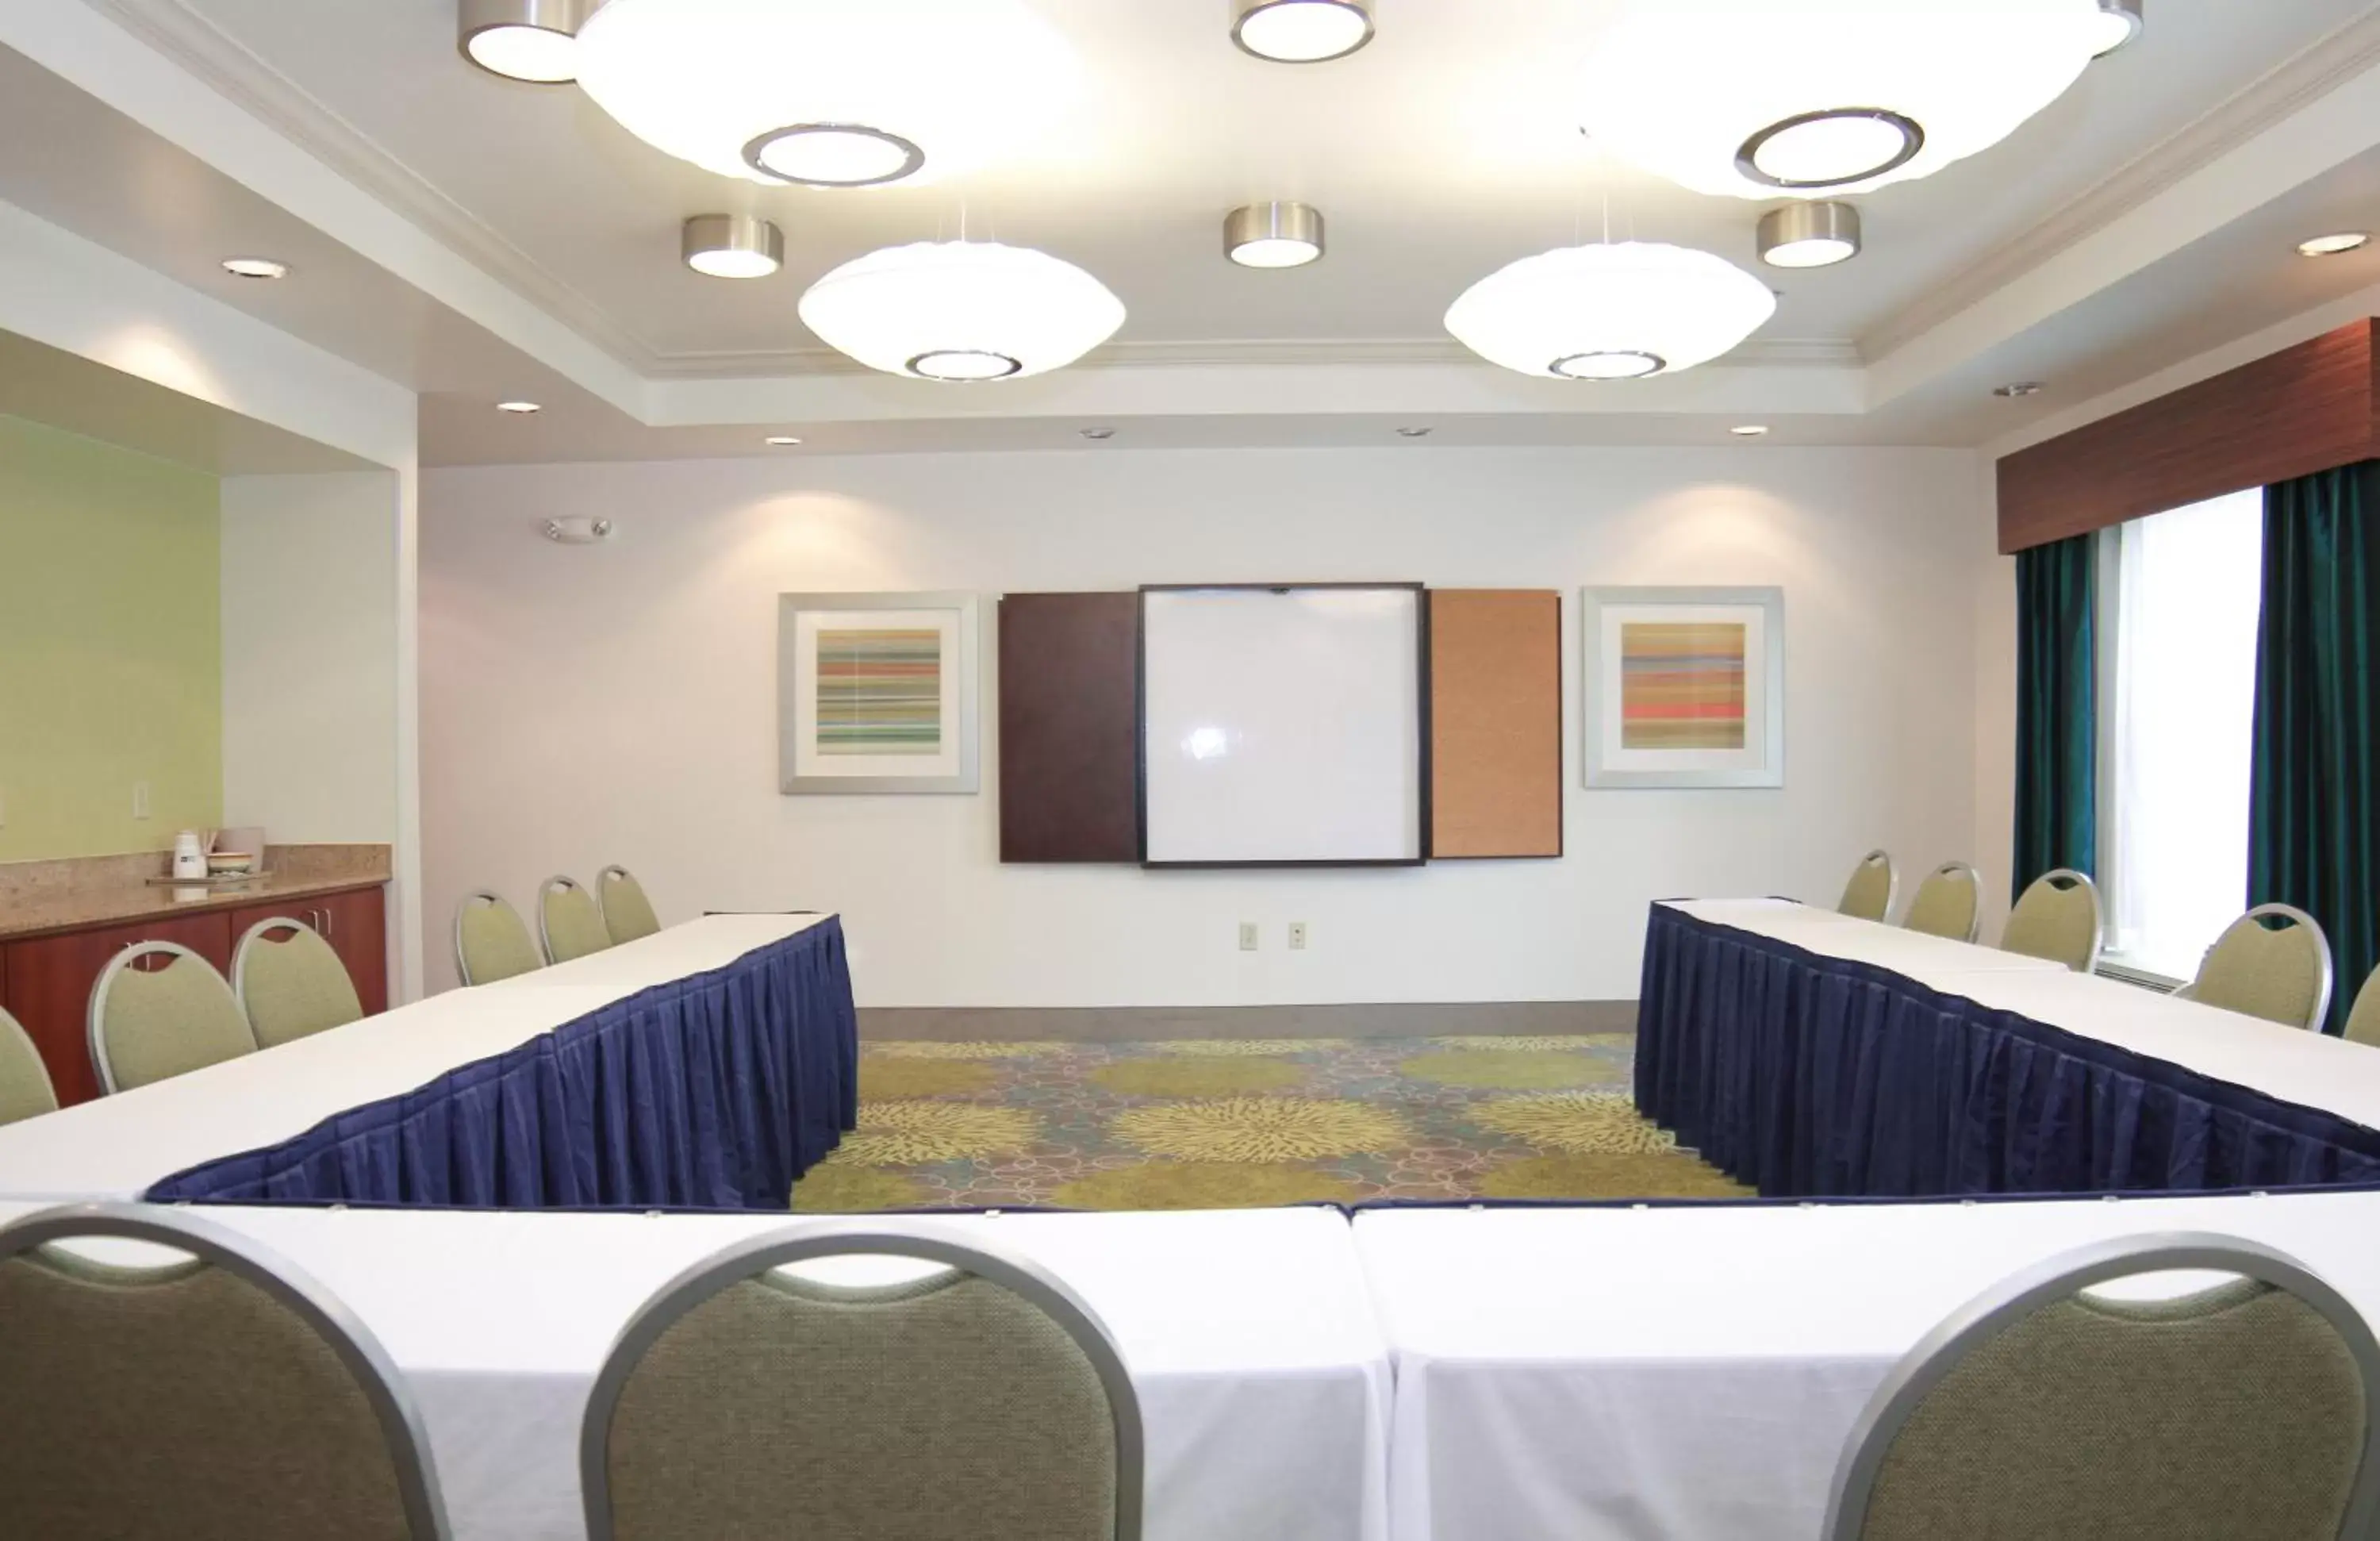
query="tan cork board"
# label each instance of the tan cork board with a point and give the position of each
(1495, 686)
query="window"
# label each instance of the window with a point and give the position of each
(2178, 728)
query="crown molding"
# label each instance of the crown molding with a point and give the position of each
(2346, 54)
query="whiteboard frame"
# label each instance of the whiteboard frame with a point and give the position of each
(1422, 722)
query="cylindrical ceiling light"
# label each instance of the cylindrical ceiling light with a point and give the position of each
(2120, 22)
(1826, 97)
(828, 93)
(1622, 311)
(536, 40)
(1301, 32)
(1809, 235)
(1273, 235)
(731, 246)
(961, 312)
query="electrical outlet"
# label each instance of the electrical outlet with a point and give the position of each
(1248, 936)
(140, 799)
(1297, 936)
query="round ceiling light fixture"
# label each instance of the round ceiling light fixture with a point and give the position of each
(2334, 245)
(2017, 390)
(1829, 96)
(255, 267)
(1610, 311)
(781, 441)
(1809, 235)
(828, 93)
(1750, 430)
(519, 408)
(731, 246)
(1302, 31)
(2120, 22)
(961, 312)
(533, 41)
(1273, 235)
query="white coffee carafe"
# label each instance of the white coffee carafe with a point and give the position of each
(190, 854)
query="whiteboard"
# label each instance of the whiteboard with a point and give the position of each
(1282, 725)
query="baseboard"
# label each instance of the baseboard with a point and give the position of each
(1144, 1024)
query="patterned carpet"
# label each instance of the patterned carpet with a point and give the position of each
(1226, 1124)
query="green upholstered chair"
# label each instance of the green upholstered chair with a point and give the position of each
(25, 1088)
(2058, 917)
(290, 983)
(1868, 896)
(569, 922)
(628, 914)
(2363, 1017)
(2045, 1411)
(970, 1398)
(2273, 963)
(1949, 902)
(151, 1024)
(490, 942)
(210, 1391)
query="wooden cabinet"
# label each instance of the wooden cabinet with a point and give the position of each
(354, 922)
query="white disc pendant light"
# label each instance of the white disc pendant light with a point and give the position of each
(1302, 31)
(1622, 311)
(1825, 98)
(829, 94)
(961, 312)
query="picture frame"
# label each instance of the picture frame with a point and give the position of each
(1685, 688)
(880, 693)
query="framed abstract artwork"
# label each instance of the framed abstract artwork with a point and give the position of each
(878, 692)
(1685, 687)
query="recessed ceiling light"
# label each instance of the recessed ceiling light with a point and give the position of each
(1750, 430)
(520, 409)
(731, 246)
(2119, 23)
(1302, 31)
(781, 441)
(255, 267)
(2332, 246)
(2018, 388)
(1100, 435)
(1809, 235)
(1414, 432)
(1273, 235)
(532, 41)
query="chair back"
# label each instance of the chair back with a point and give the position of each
(490, 941)
(972, 1399)
(25, 1088)
(2279, 972)
(1868, 896)
(2042, 1410)
(2058, 917)
(569, 922)
(2363, 1017)
(1949, 902)
(290, 982)
(149, 1026)
(211, 1391)
(628, 914)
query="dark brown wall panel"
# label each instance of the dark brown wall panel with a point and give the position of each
(1070, 728)
(2302, 410)
(1496, 694)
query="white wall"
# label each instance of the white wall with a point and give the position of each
(583, 705)
(309, 671)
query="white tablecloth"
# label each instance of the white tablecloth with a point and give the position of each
(1932, 960)
(1249, 1335)
(116, 1146)
(1692, 1375)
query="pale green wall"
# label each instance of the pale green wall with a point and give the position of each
(111, 646)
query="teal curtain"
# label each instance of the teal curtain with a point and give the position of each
(2057, 710)
(2314, 820)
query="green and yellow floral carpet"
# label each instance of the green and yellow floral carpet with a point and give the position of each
(1221, 1124)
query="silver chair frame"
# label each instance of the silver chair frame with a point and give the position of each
(2322, 982)
(748, 1259)
(1891, 877)
(1974, 882)
(95, 1016)
(2059, 1277)
(614, 871)
(476, 896)
(565, 881)
(220, 1247)
(2098, 910)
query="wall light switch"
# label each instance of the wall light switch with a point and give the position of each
(140, 799)
(1297, 936)
(1247, 936)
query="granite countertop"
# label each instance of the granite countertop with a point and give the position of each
(41, 897)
